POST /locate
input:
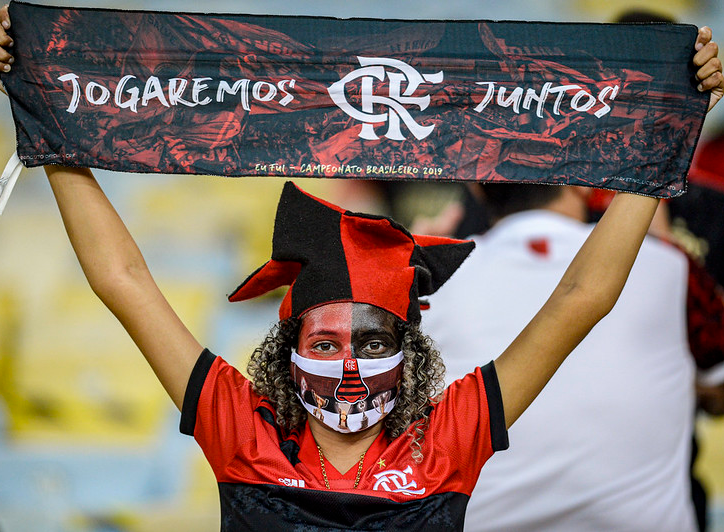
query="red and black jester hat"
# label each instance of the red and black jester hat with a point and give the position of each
(331, 255)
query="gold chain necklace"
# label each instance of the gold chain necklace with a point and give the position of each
(324, 469)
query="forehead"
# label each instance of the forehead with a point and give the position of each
(347, 316)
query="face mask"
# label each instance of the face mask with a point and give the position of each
(350, 394)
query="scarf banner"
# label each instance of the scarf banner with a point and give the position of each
(604, 105)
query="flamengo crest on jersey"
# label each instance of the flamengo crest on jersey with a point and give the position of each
(398, 482)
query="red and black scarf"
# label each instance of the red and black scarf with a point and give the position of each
(608, 105)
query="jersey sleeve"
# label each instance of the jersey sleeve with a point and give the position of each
(469, 423)
(218, 409)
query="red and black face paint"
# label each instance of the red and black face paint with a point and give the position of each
(348, 368)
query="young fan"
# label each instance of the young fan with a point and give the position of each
(342, 426)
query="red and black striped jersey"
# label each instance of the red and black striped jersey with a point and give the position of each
(272, 480)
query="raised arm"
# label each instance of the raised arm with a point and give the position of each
(115, 267)
(117, 273)
(586, 293)
(594, 280)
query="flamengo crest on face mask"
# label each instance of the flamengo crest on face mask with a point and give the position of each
(342, 394)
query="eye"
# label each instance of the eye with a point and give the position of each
(375, 347)
(324, 347)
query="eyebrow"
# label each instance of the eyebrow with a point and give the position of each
(381, 332)
(374, 330)
(323, 332)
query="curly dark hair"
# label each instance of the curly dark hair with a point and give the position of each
(423, 375)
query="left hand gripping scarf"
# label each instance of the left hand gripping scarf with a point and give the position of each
(604, 105)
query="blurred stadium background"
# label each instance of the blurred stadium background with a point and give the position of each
(88, 440)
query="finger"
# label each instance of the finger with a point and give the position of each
(6, 59)
(711, 82)
(710, 68)
(703, 37)
(5, 39)
(707, 52)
